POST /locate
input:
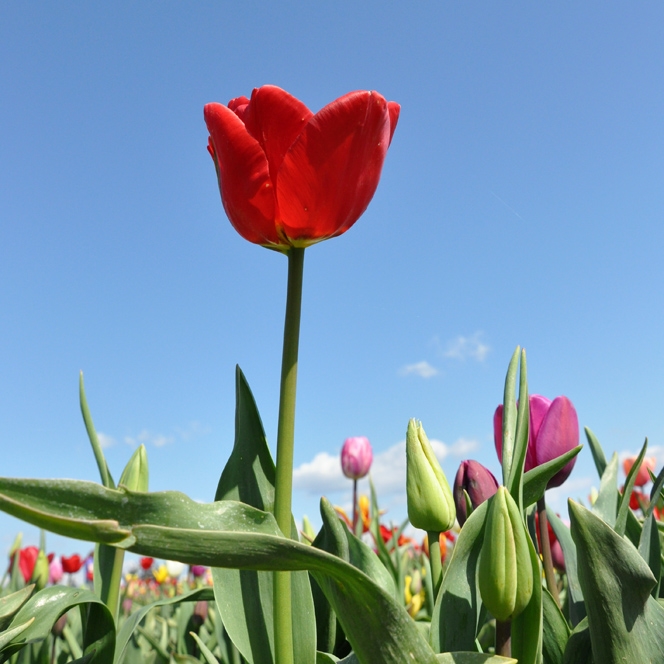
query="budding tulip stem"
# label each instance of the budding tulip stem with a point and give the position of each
(435, 560)
(545, 545)
(283, 623)
(354, 506)
(504, 638)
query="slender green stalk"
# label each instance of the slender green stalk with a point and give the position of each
(504, 638)
(354, 507)
(283, 623)
(545, 546)
(436, 565)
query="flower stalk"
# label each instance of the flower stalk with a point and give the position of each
(545, 544)
(283, 624)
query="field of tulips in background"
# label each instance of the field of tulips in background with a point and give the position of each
(482, 570)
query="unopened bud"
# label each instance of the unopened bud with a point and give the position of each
(505, 569)
(135, 474)
(478, 482)
(430, 501)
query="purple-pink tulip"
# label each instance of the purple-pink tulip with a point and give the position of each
(356, 457)
(478, 482)
(554, 430)
(55, 571)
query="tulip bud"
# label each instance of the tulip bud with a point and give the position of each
(642, 475)
(356, 457)
(40, 572)
(430, 501)
(59, 625)
(505, 570)
(477, 481)
(416, 582)
(55, 571)
(135, 474)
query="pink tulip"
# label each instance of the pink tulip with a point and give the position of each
(642, 476)
(554, 430)
(55, 571)
(356, 457)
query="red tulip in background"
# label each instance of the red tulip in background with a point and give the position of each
(291, 178)
(554, 430)
(27, 559)
(642, 475)
(146, 563)
(71, 564)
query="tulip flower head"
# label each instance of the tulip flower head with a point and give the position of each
(430, 502)
(356, 457)
(55, 571)
(554, 430)
(27, 560)
(71, 564)
(642, 475)
(477, 481)
(291, 178)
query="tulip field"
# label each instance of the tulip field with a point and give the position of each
(492, 576)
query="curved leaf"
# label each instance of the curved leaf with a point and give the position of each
(536, 479)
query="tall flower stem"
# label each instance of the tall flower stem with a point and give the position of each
(435, 559)
(545, 545)
(283, 623)
(354, 507)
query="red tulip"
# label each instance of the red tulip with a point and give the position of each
(554, 430)
(71, 564)
(27, 558)
(291, 178)
(146, 563)
(642, 475)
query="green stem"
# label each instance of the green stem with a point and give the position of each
(434, 558)
(283, 623)
(545, 545)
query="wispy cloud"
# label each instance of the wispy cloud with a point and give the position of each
(463, 348)
(105, 441)
(576, 488)
(146, 437)
(422, 369)
(323, 473)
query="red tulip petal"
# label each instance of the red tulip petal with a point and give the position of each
(244, 179)
(331, 172)
(393, 109)
(275, 119)
(558, 434)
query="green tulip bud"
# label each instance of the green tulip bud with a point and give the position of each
(40, 572)
(505, 569)
(135, 474)
(430, 501)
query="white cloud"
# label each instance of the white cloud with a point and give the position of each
(145, 437)
(388, 470)
(422, 369)
(462, 348)
(105, 441)
(576, 488)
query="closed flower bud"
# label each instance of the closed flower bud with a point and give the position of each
(430, 502)
(477, 481)
(135, 474)
(356, 457)
(40, 572)
(505, 569)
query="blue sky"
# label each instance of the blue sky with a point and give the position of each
(521, 203)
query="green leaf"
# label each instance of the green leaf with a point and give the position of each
(577, 609)
(49, 604)
(8, 635)
(536, 479)
(10, 604)
(579, 648)
(626, 624)
(655, 492)
(205, 651)
(651, 550)
(527, 626)
(509, 415)
(515, 479)
(623, 507)
(473, 658)
(597, 452)
(556, 631)
(245, 598)
(131, 623)
(454, 622)
(606, 505)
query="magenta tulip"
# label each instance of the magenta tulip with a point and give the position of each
(554, 430)
(478, 482)
(356, 457)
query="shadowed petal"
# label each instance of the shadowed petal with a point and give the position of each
(275, 119)
(247, 192)
(331, 172)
